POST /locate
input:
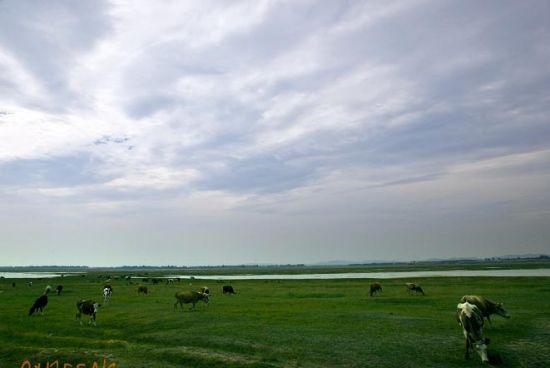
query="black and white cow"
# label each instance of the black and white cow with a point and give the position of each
(89, 308)
(107, 293)
(471, 319)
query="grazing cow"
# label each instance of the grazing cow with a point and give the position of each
(142, 290)
(13, 284)
(414, 287)
(470, 318)
(107, 293)
(228, 289)
(88, 307)
(29, 283)
(40, 303)
(186, 297)
(374, 288)
(205, 290)
(486, 306)
(59, 289)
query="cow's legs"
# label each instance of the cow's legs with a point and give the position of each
(467, 353)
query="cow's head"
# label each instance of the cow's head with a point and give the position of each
(499, 309)
(481, 348)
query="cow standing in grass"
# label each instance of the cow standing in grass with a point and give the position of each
(142, 290)
(88, 307)
(375, 288)
(470, 318)
(41, 302)
(186, 297)
(414, 287)
(228, 289)
(107, 293)
(486, 306)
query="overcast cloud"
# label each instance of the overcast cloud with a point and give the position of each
(219, 132)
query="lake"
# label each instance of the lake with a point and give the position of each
(543, 272)
(538, 272)
(35, 275)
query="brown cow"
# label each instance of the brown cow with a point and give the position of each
(414, 287)
(142, 290)
(186, 297)
(375, 287)
(486, 306)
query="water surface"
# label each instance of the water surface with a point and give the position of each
(538, 272)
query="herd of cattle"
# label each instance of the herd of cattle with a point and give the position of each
(470, 312)
(90, 307)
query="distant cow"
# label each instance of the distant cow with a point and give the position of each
(142, 290)
(486, 306)
(470, 318)
(414, 287)
(13, 284)
(107, 293)
(89, 308)
(59, 289)
(186, 297)
(374, 288)
(205, 290)
(228, 289)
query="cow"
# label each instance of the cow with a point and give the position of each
(205, 290)
(186, 297)
(41, 302)
(59, 289)
(374, 288)
(107, 293)
(142, 290)
(414, 287)
(471, 319)
(486, 306)
(228, 289)
(88, 307)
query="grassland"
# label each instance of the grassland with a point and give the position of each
(294, 323)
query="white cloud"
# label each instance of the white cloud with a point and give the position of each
(275, 109)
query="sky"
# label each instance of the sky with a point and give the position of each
(236, 132)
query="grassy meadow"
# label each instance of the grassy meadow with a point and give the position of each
(294, 323)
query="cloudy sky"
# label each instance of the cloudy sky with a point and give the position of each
(225, 132)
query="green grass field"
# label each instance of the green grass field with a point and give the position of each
(310, 323)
